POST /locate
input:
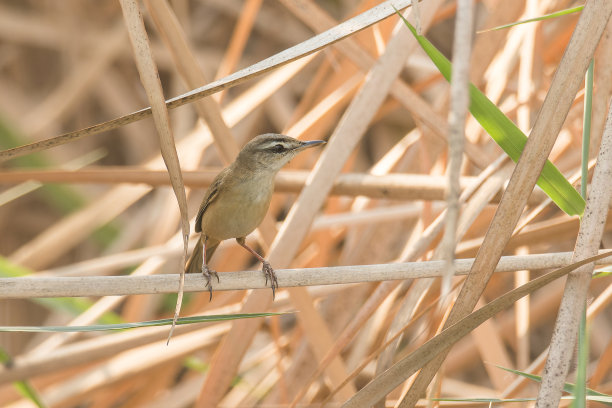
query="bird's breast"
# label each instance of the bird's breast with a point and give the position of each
(237, 211)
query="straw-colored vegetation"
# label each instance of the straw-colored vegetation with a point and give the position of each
(94, 215)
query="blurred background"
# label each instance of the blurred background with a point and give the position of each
(68, 65)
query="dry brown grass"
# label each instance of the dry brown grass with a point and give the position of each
(374, 196)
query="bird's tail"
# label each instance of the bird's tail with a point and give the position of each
(194, 264)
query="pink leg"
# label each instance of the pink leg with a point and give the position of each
(206, 271)
(265, 266)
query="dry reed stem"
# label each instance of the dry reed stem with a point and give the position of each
(491, 348)
(67, 230)
(304, 49)
(97, 348)
(574, 298)
(529, 217)
(524, 92)
(538, 363)
(414, 103)
(70, 230)
(238, 41)
(394, 335)
(265, 25)
(487, 184)
(498, 71)
(550, 119)
(193, 76)
(207, 108)
(459, 104)
(368, 229)
(603, 90)
(53, 242)
(150, 266)
(348, 333)
(30, 185)
(400, 371)
(285, 246)
(522, 320)
(397, 186)
(124, 365)
(487, 45)
(149, 77)
(310, 121)
(40, 286)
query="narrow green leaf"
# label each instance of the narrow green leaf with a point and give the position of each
(531, 20)
(583, 361)
(586, 129)
(602, 273)
(567, 387)
(507, 135)
(122, 326)
(27, 391)
(23, 387)
(583, 335)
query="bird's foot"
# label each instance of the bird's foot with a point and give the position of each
(208, 274)
(269, 274)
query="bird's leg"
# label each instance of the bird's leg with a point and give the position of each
(266, 268)
(206, 271)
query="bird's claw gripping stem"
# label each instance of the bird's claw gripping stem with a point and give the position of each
(208, 274)
(269, 274)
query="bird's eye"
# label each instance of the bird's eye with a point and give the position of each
(279, 148)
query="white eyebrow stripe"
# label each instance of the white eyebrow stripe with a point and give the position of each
(271, 143)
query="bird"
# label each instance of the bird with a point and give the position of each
(238, 199)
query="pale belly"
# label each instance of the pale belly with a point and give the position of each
(238, 217)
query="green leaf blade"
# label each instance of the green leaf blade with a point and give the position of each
(532, 20)
(567, 387)
(123, 326)
(507, 135)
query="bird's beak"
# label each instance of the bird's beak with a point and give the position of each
(311, 143)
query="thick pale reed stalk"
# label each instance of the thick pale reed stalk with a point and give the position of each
(35, 286)
(574, 299)
(559, 99)
(343, 141)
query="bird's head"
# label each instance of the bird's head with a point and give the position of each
(271, 151)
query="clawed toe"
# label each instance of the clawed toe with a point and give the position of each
(208, 273)
(269, 274)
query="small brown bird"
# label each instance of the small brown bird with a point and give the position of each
(238, 199)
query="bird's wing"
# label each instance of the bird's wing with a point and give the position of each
(211, 195)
